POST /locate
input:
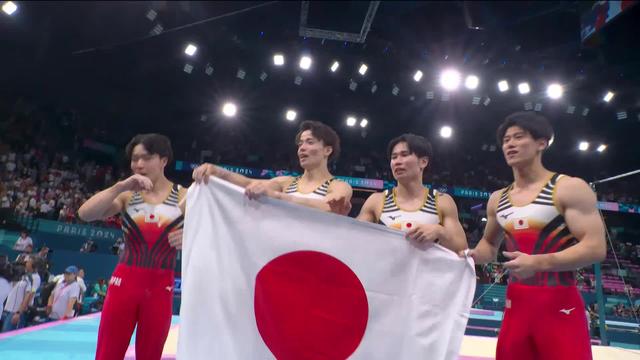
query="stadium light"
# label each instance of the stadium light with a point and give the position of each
(602, 148)
(291, 115)
(583, 146)
(554, 91)
(305, 63)
(335, 66)
(523, 88)
(363, 69)
(417, 76)
(471, 82)
(190, 49)
(278, 59)
(608, 96)
(351, 121)
(364, 123)
(450, 79)
(503, 85)
(446, 132)
(9, 7)
(229, 109)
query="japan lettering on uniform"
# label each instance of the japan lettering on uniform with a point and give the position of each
(115, 281)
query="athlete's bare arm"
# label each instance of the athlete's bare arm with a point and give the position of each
(175, 237)
(369, 211)
(338, 191)
(578, 205)
(254, 188)
(202, 173)
(453, 237)
(487, 249)
(257, 188)
(182, 204)
(112, 200)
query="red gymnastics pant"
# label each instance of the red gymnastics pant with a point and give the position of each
(136, 296)
(544, 322)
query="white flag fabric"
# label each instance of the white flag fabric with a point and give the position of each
(265, 279)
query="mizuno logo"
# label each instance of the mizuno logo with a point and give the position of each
(168, 288)
(394, 217)
(505, 216)
(567, 311)
(136, 210)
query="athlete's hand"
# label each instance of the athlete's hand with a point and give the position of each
(425, 233)
(340, 206)
(467, 253)
(136, 182)
(175, 239)
(257, 189)
(202, 173)
(521, 265)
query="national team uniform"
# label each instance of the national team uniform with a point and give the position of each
(317, 194)
(396, 218)
(544, 315)
(141, 288)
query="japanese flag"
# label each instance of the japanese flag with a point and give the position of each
(267, 279)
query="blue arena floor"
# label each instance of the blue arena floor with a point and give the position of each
(76, 340)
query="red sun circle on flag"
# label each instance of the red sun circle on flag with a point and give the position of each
(310, 305)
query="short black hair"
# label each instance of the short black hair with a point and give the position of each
(153, 143)
(322, 132)
(535, 124)
(417, 145)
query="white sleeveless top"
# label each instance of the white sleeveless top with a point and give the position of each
(396, 218)
(317, 194)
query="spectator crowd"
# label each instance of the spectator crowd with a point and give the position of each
(50, 187)
(30, 294)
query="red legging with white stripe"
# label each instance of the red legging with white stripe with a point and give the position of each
(139, 296)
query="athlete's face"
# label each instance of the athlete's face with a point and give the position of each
(143, 163)
(519, 147)
(311, 151)
(405, 164)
